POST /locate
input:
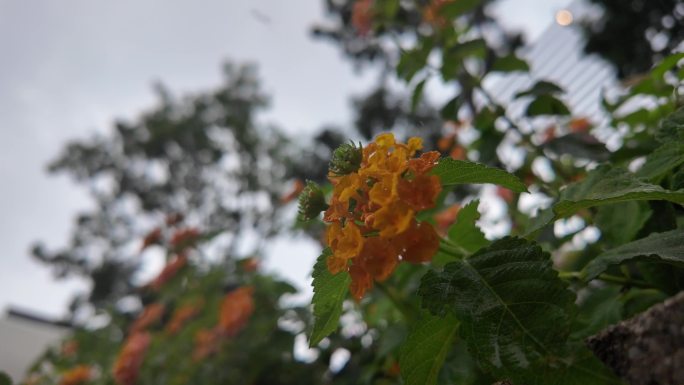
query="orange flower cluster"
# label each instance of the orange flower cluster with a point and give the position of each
(372, 212)
(151, 315)
(170, 270)
(130, 358)
(77, 375)
(236, 308)
(182, 315)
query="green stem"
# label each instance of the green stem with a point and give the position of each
(625, 281)
(409, 313)
(452, 249)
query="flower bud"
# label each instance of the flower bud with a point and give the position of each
(346, 159)
(311, 202)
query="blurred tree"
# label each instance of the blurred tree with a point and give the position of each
(201, 158)
(633, 35)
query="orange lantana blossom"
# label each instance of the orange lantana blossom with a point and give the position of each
(372, 212)
(130, 358)
(77, 375)
(151, 315)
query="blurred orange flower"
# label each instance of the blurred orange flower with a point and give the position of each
(207, 342)
(579, 125)
(446, 218)
(182, 315)
(170, 270)
(236, 308)
(69, 348)
(432, 13)
(297, 188)
(184, 238)
(153, 237)
(77, 375)
(372, 225)
(362, 16)
(150, 316)
(505, 194)
(130, 358)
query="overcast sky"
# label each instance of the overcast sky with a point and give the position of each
(68, 68)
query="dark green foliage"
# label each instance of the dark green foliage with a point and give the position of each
(624, 33)
(514, 313)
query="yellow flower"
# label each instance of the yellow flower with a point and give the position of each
(393, 218)
(372, 212)
(346, 242)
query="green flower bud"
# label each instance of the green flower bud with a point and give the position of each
(346, 159)
(311, 202)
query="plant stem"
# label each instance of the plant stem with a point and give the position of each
(626, 281)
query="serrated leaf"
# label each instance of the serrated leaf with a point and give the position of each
(661, 161)
(510, 63)
(453, 172)
(672, 127)
(546, 105)
(514, 313)
(422, 354)
(606, 185)
(329, 294)
(464, 232)
(665, 247)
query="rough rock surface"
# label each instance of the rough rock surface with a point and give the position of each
(647, 349)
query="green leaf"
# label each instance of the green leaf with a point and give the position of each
(546, 105)
(598, 309)
(541, 220)
(453, 57)
(606, 185)
(661, 68)
(465, 232)
(417, 94)
(453, 172)
(540, 88)
(661, 161)
(579, 145)
(672, 127)
(455, 9)
(620, 222)
(450, 110)
(329, 294)
(665, 247)
(412, 61)
(514, 313)
(423, 353)
(510, 63)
